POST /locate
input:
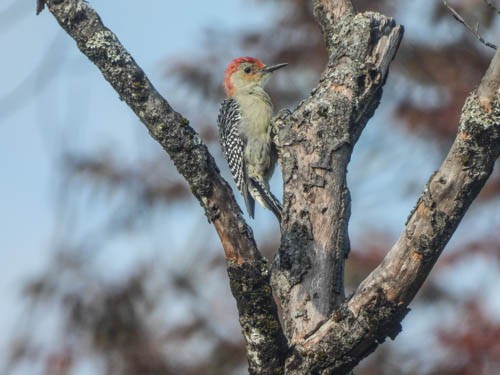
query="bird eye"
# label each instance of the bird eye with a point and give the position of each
(247, 69)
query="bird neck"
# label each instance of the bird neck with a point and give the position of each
(252, 88)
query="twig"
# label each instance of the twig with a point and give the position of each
(378, 305)
(40, 5)
(493, 6)
(460, 19)
(328, 13)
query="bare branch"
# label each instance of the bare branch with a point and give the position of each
(194, 162)
(40, 5)
(309, 268)
(332, 10)
(381, 301)
(328, 13)
(474, 31)
(493, 6)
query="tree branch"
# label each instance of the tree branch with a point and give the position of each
(492, 6)
(316, 142)
(474, 32)
(247, 269)
(328, 13)
(40, 5)
(488, 89)
(379, 304)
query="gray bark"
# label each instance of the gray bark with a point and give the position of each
(316, 142)
(246, 266)
(323, 333)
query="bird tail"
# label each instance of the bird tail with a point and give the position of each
(262, 194)
(249, 203)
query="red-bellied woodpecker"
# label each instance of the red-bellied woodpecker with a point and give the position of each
(244, 127)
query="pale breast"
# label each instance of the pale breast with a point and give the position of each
(257, 110)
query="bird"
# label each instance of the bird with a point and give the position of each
(244, 124)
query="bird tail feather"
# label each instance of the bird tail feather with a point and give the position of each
(268, 200)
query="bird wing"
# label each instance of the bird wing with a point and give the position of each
(233, 147)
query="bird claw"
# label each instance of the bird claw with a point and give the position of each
(283, 113)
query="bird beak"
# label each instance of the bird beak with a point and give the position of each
(272, 68)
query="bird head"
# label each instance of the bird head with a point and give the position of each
(246, 72)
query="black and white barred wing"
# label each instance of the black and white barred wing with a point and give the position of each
(233, 147)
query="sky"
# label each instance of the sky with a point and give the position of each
(35, 110)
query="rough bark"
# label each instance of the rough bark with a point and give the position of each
(376, 309)
(327, 335)
(316, 142)
(328, 13)
(248, 269)
(488, 89)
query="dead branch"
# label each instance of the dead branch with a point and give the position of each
(381, 301)
(474, 31)
(247, 268)
(40, 5)
(492, 6)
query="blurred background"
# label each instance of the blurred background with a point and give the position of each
(107, 263)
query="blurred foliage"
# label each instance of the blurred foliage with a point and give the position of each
(123, 326)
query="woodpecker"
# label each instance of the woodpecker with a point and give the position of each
(244, 124)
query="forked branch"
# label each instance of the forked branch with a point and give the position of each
(379, 304)
(248, 270)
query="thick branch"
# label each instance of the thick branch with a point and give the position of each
(316, 142)
(488, 89)
(381, 301)
(266, 343)
(169, 128)
(246, 266)
(328, 13)
(445, 200)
